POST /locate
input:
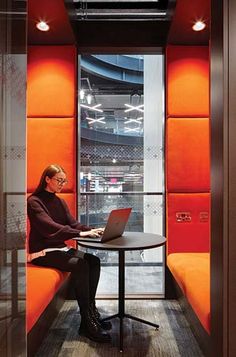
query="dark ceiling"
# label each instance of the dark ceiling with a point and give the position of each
(185, 15)
(119, 26)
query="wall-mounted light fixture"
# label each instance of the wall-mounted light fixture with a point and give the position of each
(42, 26)
(199, 25)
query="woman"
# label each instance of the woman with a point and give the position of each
(51, 225)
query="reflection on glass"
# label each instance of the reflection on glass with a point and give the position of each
(12, 178)
(121, 158)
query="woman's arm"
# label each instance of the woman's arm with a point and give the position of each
(46, 226)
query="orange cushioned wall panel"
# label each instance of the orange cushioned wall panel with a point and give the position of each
(70, 200)
(50, 140)
(51, 81)
(187, 81)
(188, 222)
(188, 155)
(42, 284)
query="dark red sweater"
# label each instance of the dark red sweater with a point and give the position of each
(51, 223)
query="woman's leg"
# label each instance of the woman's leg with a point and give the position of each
(72, 261)
(94, 274)
(79, 267)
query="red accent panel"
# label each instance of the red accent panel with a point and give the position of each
(190, 235)
(188, 156)
(51, 81)
(50, 141)
(188, 81)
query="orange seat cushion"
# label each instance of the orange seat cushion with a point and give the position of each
(42, 285)
(192, 273)
(49, 141)
(51, 81)
(188, 81)
(188, 155)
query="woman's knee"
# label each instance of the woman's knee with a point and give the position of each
(81, 266)
(92, 259)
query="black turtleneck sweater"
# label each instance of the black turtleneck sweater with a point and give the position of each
(51, 223)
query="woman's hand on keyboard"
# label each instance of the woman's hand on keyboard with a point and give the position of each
(93, 233)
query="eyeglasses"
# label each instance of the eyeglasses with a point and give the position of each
(60, 181)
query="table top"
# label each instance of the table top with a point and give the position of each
(128, 241)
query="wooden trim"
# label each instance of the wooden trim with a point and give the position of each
(40, 329)
(218, 166)
(230, 302)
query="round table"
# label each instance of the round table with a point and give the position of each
(127, 242)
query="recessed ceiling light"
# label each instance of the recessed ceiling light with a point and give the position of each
(42, 26)
(199, 26)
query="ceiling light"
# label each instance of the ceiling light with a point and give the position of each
(133, 120)
(42, 26)
(94, 107)
(114, 161)
(89, 98)
(81, 94)
(131, 129)
(199, 26)
(99, 120)
(132, 107)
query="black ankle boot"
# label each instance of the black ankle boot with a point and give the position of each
(92, 330)
(105, 325)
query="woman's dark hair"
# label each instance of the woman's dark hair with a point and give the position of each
(50, 171)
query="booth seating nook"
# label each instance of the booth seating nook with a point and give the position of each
(51, 130)
(188, 183)
(51, 138)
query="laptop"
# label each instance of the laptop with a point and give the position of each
(115, 226)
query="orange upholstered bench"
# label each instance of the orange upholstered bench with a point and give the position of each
(45, 295)
(192, 273)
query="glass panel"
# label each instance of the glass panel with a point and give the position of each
(121, 158)
(12, 178)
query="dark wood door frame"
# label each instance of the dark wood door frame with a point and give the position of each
(223, 177)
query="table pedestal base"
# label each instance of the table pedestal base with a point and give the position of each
(121, 324)
(121, 314)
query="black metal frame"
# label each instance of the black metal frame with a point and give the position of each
(121, 307)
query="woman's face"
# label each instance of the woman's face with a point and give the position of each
(56, 183)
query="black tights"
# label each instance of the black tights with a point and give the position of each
(84, 268)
